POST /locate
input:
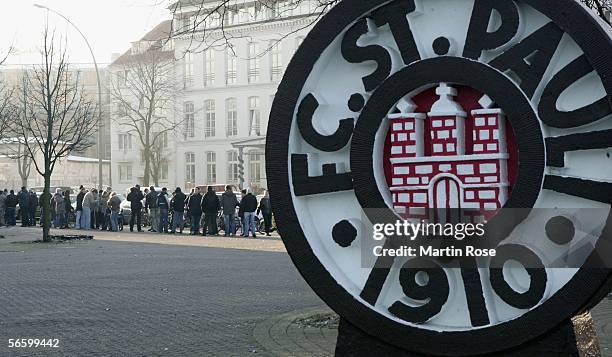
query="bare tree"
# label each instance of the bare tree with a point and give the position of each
(159, 157)
(603, 8)
(58, 119)
(24, 164)
(145, 96)
(210, 24)
(6, 108)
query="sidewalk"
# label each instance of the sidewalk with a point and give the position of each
(261, 243)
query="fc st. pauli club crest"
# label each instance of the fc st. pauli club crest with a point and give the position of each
(447, 111)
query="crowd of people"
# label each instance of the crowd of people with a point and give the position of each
(166, 213)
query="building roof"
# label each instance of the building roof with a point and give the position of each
(75, 158)
(158, 34)
(162, 31)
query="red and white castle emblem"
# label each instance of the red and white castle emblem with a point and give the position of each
(446, 161)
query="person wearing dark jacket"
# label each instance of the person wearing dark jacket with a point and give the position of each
(248, 205)
(151, 206)
(194, 205)
(163, 204)
(79, 207)
(24, 206)
(33, 206)
(210, 206)
(135, 198)
(229, 202)
(178, 209)
(11, 204)
(266, 211)
(69, 208)
(243, 193)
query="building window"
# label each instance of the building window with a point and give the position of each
(211, 167)
(189, 120)
(253, 63)
(163, 171)
(231, 16)
(161, 140)
(125, 172)
(209, 67)
(232, 117)
(190, 169)
(209, 113)
(255, 165)
(188, 71)
(276, 61)
(125, 142)
(231, 74)
(232, 166)
(254, 117)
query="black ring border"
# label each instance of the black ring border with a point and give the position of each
(455, 70)
(588, 284)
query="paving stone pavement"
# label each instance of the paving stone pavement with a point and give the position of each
(107, 298)
(281, 335)
(122, 296)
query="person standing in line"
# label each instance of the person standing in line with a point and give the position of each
(195, 211)
(3, 207)
(88, 203)
(105, 209)
(33, 205)
(79, 208)
(135, 197)
(151, 206)
(11, 207)
(243, 193)
(266, 211)
(68, 207)
(24, 206)
(229, 202)
(94, 210)
(162, 206)
(114, 204)
(178, 209)
(249, 205)
(210, 206)
(99, 210)
(59, 209)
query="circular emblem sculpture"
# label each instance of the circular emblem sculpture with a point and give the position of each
(489, 111)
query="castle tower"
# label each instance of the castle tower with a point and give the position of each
(406, 131)
(489, 131)
(447, 124)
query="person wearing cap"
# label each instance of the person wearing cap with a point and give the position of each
(178, 210)
(248, 205)
(163, 204)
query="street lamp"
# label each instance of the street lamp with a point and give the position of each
(99, 89)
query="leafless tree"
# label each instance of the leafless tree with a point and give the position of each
(145, 96)
(603, 8)
(210, 24)
(6, 108)
(58, 119)
(159, 157)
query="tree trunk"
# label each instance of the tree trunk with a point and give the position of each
(147, 173)
(24, 181)
(46, 208)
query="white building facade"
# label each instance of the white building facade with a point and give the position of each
(226, 93)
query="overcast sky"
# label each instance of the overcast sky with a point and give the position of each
(109, 25)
